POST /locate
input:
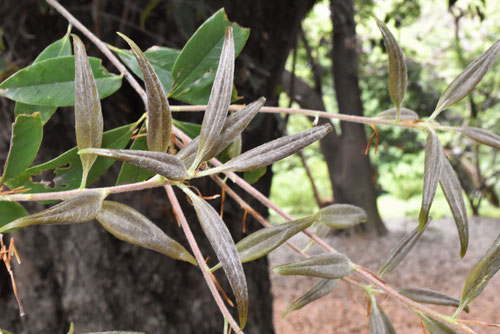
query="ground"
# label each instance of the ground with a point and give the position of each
(433, 263)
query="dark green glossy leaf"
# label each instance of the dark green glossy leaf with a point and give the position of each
(482, 272)
(29, 109)
(67, 168)
(398, 76)
(468, 79)
(341, 216)
(379, 321)
(275, 150)
(129, 225)
(26, 137)
(88, 114)
(435, 326)
(252, 176)
(130, 173)
(453, 192)
(322, 288)
(432, 174)
(399, 251)
(220, 98)
(11, 211)
(159, 115)
(51, 82)
(428, 296)
(328, 265)
(195, 68)
(161, 163)
(481, 136)
(191, 129)
(404, 114)
(78, 209)
(225, 249)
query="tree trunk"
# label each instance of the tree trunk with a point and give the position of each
(82, 274)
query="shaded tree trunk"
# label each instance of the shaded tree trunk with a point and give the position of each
(81, 273)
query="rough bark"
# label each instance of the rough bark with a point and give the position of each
(81, 273)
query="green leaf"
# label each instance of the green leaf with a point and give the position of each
(322, 288)
(222, 243)
(161, 163)
(480, 275)
(275, 150)
(11, 211)
(218, 103)
(252, 176)
(428, 296)
(399, 251)
(453, 192)
(432, 174)
(161, 58)
(129, 225)
(195, 67)
(191, 129)
(340, 216)
(404, 114)
(159, 115)
(327, 265)
(29, 109)
(379, 321)
(89, 124)
(67, 168)
(481, 136)
(51, 82)
(398, 76)
(435, 326)
(78, 209)
(467, 80)
(26, 137)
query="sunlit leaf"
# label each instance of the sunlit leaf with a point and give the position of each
(275, 150)
(25, 142)
(428, 296)
(159, 115)
(482, 272)
(322, 288)
(468, 79)
(398, 76)
(435, 326)
(453, 192)
(225, 249)
(78, 209)
(328, 265)
(161, 163)
(481, 136)
(404, 115)
(88, 115)
(399, 251)
(432, 173)
(340, 216)
(220, 98)
(379, 321)
(129, 225)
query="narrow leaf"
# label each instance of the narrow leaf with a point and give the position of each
(435, 326)
(265, 240)
(328, 265)
(275, 150)
(379, 321)
(129, 225)
(453, 192)
(468, 79)
(482, 272)
(399, 251)
(340, 216)
(322, 288)
(159, 115)
(220, 98)
(432, 174)
(404, 115)
(481, 136)
(161, 163)
(398, 76)
(88, 115)
(225, 249)
(25, 140)
(78, 209)
(428, 296)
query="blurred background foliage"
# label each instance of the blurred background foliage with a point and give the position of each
(438, 38)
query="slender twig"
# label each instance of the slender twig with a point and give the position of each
(179, 214)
